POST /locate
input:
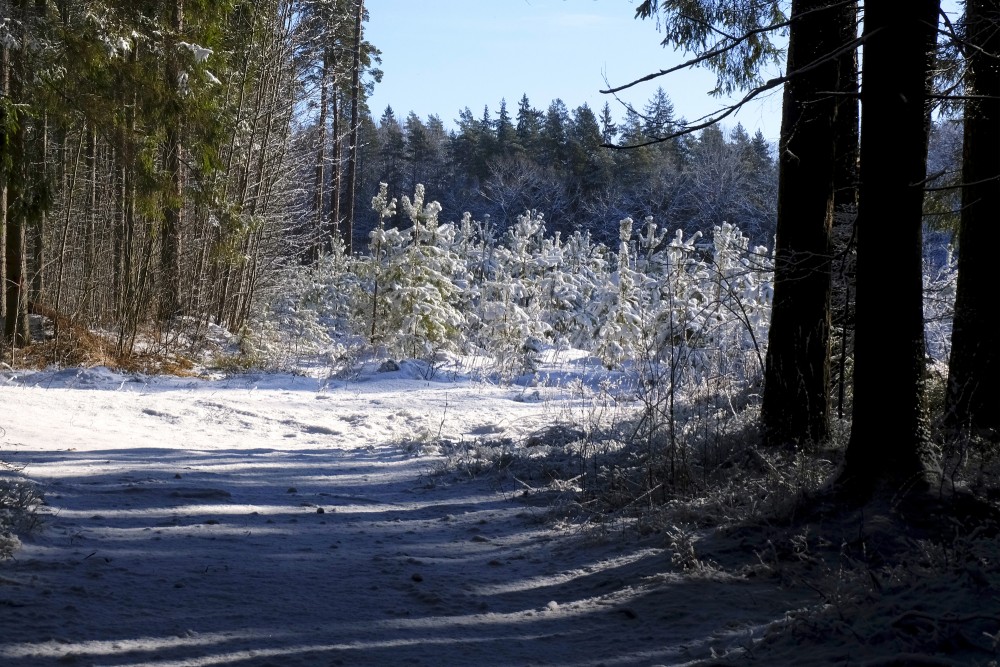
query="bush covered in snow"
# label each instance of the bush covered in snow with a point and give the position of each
(19, 502)
(435, 287)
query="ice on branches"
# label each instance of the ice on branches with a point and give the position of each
(429, 286)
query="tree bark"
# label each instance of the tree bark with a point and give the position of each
(352, 163)
(845, 177)
(4, 177)
(19, 208)
(336, 171)
(173, 214)
(845, 201)
(40, 218)
(39, 223)
(972, 403)
(90, 235)
(795, 409)
(319, 197)
(889, 444)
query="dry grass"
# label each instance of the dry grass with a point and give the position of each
(61, 341)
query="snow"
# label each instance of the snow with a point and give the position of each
(277, 519)
(271, 519)
(200, 53)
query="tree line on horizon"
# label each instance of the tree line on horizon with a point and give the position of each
(166, 160)
(557, 162)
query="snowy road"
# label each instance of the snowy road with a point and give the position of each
(280, 521)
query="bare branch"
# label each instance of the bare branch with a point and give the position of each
(959, 186)
(724, 112)
(719, 50)
(962, 97)
(697, 59)
(952, 34)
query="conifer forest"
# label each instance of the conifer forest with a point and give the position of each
(801, 331)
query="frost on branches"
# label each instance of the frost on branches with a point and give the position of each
(466, 288)
(416, 279)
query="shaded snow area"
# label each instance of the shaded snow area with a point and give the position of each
(292, 521)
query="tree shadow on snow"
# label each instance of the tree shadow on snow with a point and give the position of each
(260, 557)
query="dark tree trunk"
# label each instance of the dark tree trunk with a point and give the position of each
(845, 176)
(173, 214)
(336, 171)
(16, 287)
(796, 401)
(889, 444)
(973, 397)
(124, 247)
(90, 235)
(845, 202)
(319, 197)
(40, 222)
(352, 159)
(40, 218)
(19, 208)
(4, 175)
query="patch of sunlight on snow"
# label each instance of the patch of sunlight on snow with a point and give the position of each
(97, 649)
(530, 583)
(290, 651)
(59, 648)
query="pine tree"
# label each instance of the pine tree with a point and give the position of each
(590, 166)
(889, 443)
(973, 395)
(418, 149)
(418, 285)
(796, 405)
(505, 132)
(609, 130)
(553, 135)
(529, 128)
(658, 115)
(392, 140)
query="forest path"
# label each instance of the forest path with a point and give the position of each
(181, 531)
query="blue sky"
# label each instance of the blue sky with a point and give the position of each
(442, 55)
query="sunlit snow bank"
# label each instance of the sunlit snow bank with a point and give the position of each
(279, 519)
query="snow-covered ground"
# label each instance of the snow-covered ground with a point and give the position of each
(305, 519)
(284, 520)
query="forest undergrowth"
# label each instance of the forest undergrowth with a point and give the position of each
(667, 447)
(918, 588)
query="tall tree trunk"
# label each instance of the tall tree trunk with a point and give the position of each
(973, 397)
(352, 160)
(173, 215)
(124, 242)
(319, 198)
(889, 444)
(90, 241)
(40, 217)
(845, 176)
(845, 200)
(39, 223)
(796, 401)
(336, 172)
(16, 328)
(4, 171)
(64, 241)
(118, 184)
(16, 295)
